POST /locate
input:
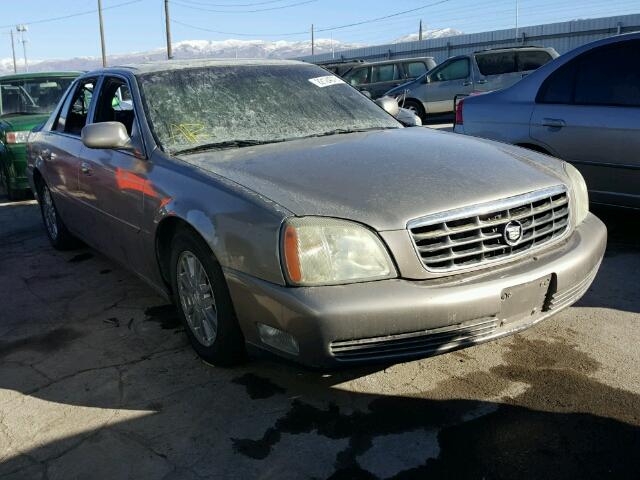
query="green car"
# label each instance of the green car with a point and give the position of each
(26, 100)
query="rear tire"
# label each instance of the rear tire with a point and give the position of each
(56, 230)
(203, 300)
(416, 107)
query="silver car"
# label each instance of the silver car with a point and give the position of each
(279, 207)
(584, 108)
(482, 71)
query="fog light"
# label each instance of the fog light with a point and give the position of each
(278, 339)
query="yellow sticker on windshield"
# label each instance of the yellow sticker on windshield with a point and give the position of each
(189, 132)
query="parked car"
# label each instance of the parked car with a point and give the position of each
(584, 108)
(434, 92)
(281, 208)
(26, 100)
(378, 77)
(340, 67)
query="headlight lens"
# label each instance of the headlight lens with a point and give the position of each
(17, 137)
(579, 190)
(326, 251)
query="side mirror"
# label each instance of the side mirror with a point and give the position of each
(106, 135)
(426, 79)
(389, 105)
(408, 118)
(366, 93)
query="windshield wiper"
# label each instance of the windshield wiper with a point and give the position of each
(342, 131)
(225, 145)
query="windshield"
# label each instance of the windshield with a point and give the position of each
(241, 105)
(32, 95)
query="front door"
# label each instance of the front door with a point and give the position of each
(447, 80)
(116, 180)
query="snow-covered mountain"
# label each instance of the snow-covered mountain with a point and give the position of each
(427, 34)
(204, 48)
(190, 49)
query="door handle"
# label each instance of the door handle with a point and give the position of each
(85, 168)
(482, 81)
(553, 122)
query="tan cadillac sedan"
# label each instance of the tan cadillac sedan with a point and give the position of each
(280, 208)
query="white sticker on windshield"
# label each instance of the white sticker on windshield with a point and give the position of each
(326, 81)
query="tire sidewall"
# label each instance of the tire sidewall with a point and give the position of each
(228, 347)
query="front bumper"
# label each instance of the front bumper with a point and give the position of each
(13, 163)
(397, 319)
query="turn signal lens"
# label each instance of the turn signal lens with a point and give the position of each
(292, 260)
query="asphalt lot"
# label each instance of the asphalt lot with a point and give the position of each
(97, 381)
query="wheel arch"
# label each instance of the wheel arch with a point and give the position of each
(165, 231)
(534, 147)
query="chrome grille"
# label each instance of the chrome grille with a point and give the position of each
(425, 342)
(475, 236)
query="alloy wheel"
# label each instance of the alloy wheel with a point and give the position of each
(49, 211)
(196, 298)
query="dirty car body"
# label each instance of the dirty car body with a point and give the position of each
(339, 235)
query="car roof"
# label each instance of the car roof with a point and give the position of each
(508, 49)
(28, 75)
(167, 65)
(395, 60)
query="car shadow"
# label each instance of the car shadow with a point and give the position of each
(97, 380)
(614, 286)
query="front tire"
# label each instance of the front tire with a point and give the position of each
(56, 230)
(203, 300)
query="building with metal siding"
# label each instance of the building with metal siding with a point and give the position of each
(562, 36)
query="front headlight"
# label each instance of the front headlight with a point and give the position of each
(18, 137)
(579, 191)
(329, 251)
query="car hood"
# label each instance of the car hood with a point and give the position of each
(18, 123)
(381, 178)
(402, 87)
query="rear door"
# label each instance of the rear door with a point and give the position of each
(384, 78)
(444, 82)
(497, 70)
(60, 151)
(116, 181)
(588, 112)
(415, 69)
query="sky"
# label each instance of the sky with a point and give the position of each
(138, 25)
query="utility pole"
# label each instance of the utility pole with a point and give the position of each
(13, 51)
(104, 55)
(313, 49)
(167, 28)
(517, 14)
(420, 31)
(22, 29)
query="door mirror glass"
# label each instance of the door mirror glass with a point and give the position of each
(106, 135)
(389, 105)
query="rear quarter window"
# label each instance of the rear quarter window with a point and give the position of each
(532, 59)
(497, 63)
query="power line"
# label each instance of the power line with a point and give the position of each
(71, 15)
(280, 7)
(326, 29)
(232, 5)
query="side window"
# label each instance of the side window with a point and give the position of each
(497, 63)
(384, 73)
(115, 104)
(610, 76)
(415, 69)
(73, 115)
(558, 87)
(357, 76)
(532, 59)
(454, 70)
